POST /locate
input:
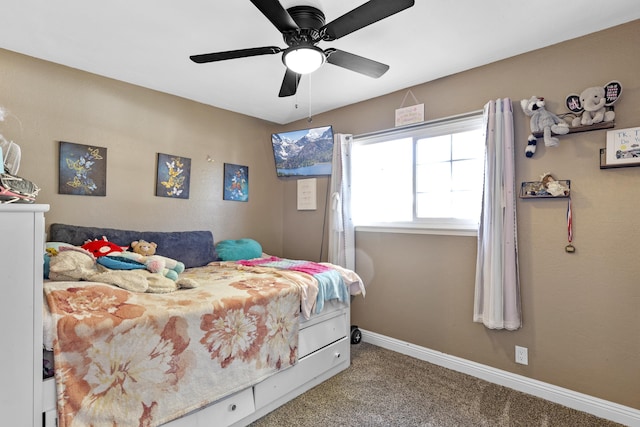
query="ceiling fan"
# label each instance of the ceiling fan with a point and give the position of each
(303, 27)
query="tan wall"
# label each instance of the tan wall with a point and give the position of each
(55, 103)
(581, 311)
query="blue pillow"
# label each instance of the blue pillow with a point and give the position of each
(235, 250)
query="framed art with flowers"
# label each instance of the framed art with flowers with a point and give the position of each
(82, 169)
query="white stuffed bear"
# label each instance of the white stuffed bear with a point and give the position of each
(591, 105)
(542, 121)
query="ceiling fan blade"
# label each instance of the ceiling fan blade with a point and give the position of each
(366, 14)
(277, 14)
(356, 63)
(289, 83)
(233, 54)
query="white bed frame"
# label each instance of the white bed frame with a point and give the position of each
(323, 349)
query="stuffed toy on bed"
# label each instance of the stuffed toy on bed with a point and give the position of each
(102, 247)
(145, 253)
(75, 264)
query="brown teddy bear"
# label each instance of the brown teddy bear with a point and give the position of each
(145, 253)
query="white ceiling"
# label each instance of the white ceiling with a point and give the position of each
(148, 43)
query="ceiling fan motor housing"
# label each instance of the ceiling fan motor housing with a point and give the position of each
(309, 20)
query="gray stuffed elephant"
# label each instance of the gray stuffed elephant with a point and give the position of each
(592, 105)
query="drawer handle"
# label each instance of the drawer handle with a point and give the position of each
(233, 407)
(337, 355)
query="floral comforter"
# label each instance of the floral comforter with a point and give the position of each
(141, 359)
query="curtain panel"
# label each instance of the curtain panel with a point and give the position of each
(342, 232)
(497, 284)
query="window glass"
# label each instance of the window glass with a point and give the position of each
(428, 176)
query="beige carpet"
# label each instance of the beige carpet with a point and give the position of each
(384, 388)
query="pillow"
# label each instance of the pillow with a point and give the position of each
(56, 245)
(235, 250)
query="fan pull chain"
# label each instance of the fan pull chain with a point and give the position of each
(310, 119)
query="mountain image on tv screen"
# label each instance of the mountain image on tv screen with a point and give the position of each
(305, 152)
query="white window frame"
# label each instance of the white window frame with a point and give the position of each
(444, 126)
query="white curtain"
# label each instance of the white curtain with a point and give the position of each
(342, 233)
(497, 286)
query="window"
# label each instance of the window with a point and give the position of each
(423, 177)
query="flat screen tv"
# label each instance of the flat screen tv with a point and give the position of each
(301, 153)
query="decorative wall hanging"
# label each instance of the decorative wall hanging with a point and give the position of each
(623, 149)
(307, 191)
(236, 182)
(550, 188)
(82, 170)
(411, 114)
(173, 176)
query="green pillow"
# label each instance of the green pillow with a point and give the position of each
(235, 250)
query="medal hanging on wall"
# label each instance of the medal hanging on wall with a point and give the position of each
(569, 248)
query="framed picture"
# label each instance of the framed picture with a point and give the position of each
(173, 176)
(236, 182)
(82, 170)
(605, 165)
(623, 148)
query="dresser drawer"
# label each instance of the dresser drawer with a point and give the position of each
(319, 335)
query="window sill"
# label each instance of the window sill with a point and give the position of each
(418, 229)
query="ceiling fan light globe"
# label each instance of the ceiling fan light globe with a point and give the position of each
(303, 60)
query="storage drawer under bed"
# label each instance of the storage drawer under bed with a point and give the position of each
(316, 336)
(225, 412)
(306, 370)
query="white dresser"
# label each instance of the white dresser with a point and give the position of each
(21, 258)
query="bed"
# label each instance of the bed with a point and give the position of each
(243, 337)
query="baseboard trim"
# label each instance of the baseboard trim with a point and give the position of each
(572, 399)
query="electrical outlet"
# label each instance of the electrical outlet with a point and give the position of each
(522, 355)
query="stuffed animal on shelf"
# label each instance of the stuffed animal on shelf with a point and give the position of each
(552, 186)
(542, 121)
(593, 104)
(102, 247)
(144, 252)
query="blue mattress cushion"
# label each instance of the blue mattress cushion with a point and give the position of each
(193, 248)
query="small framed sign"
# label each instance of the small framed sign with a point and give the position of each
(409, 115)
(623, 147)
(307, 194)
